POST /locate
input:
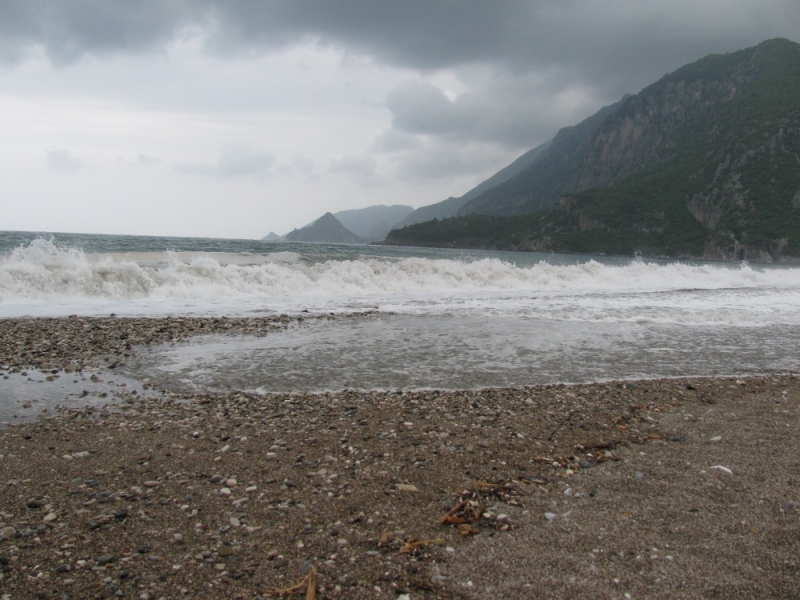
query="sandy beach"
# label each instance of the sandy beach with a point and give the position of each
(679, 488)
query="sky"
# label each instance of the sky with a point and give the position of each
(232, 119)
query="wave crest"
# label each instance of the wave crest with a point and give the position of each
(44, 271)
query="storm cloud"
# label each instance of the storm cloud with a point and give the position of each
(432, 95)
(587, 35)
(532, 48)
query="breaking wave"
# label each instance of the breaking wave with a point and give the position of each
(43, 271)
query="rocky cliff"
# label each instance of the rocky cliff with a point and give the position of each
(704, 162)
(548, 173)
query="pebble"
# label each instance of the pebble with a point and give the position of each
(50, 517)
(307, 565)
(105, 559)
(308, 419)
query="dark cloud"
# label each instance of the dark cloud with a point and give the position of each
(502, 109)
(526, 67)
(68, 30)
(588, 36)
(423, 108)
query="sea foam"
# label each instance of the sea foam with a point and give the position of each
(43, 273)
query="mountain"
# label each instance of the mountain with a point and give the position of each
(703, 163)
(325, 230)
(271, 237)
(452, 206)
(546, 178)
(374, 222)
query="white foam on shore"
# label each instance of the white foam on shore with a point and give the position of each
(45, 279)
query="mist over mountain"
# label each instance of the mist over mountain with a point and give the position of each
(374, 222)
(705, 162)
(452, 206)
(550, 173)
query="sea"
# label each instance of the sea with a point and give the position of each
(430, 318)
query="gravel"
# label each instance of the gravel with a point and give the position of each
(533, 492)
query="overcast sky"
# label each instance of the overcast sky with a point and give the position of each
(234, 118)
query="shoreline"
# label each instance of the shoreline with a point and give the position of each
(664, 488)
(785, 260)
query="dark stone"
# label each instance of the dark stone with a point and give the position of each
(307, 565)
(105, 559)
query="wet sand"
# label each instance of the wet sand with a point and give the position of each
(683, 488)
